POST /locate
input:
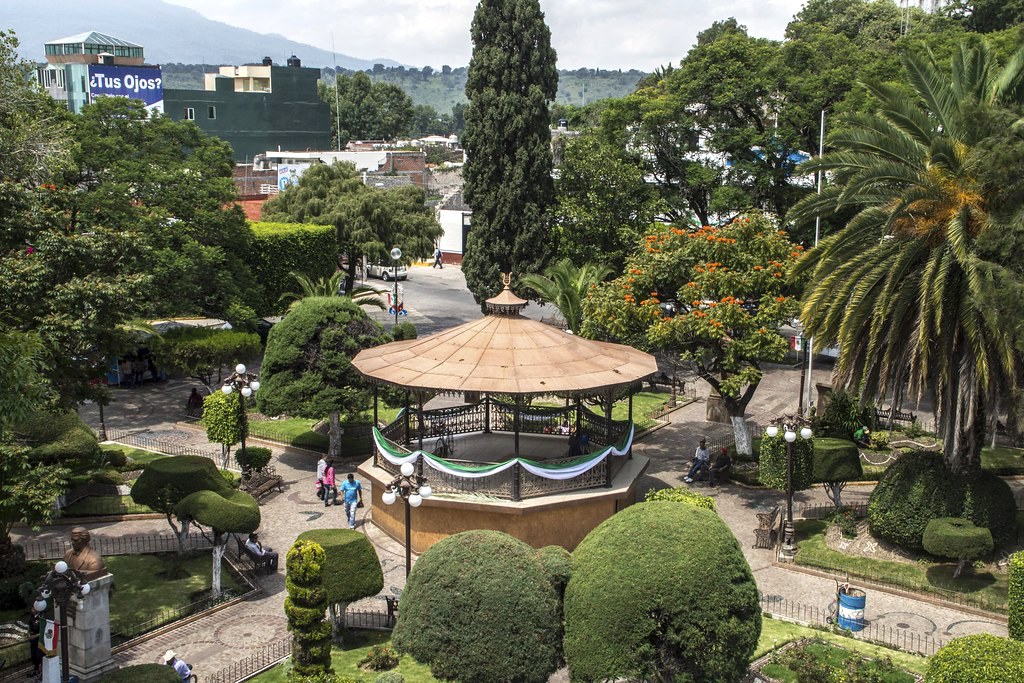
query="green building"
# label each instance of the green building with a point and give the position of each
(257, 108)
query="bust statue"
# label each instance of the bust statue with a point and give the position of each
(82, 558)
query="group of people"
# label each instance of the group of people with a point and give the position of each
(133, 368)
(702, 465)
(327, 490)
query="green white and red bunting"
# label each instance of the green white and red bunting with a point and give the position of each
(563, 470)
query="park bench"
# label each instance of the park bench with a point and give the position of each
(883, 414)
(246, 557)
(764, 534)
(263, 482)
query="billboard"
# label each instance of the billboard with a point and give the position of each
(289, 174)
(137, 82)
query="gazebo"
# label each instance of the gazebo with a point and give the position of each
(545, 474)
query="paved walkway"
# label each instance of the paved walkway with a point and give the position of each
(220, 639)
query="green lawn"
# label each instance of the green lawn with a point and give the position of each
(105, 505)
(344, 659)
(1002, 460)
(833, 657)
(644, 402)
(146, 587)
(978, 588)
(298, 431)
(775, 633)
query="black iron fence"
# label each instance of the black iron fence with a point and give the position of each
(151, 443)
(243, 669)
(124, 630)
(131, 544)
(901, 639)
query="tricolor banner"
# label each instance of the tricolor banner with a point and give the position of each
(49, 638)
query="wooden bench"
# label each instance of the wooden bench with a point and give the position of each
(258, 563)
(882, 414)
(764, 534)
(263, 482)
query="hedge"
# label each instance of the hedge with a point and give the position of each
(660, 591)
(150, 673)
(253, 458)
(58, 438)
(918, 488)
(168, 480)
(835, 460)
(478, 606)
(682, 495)
(956, 538)
(277, 249)
(981, 658)
(772, 461)
(351, 569)
(557, 563)
(1016, 596)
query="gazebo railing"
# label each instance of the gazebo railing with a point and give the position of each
(514, 483)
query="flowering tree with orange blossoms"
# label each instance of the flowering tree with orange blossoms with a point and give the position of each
(729, 297)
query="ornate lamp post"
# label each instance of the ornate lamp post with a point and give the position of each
(396, 255)
(790, 426)
(245, 383)
(61, 584)
(413, 491)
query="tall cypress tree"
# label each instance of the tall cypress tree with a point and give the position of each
(512, 78)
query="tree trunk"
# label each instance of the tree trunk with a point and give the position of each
(334, 448)
(834, 491)
(219, 546)
(959, 568)
(961, 418)
(181, 533)
(741, 432)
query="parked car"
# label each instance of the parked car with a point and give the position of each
(386, 272)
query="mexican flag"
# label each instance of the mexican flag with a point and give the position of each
(49, 638)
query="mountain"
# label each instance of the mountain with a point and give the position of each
(168, 33)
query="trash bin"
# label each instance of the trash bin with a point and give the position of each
(851, 609)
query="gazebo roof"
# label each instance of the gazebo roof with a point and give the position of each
(505, 354)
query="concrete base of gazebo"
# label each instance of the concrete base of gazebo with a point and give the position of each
(559, 519)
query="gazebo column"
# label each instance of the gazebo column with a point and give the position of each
(608, 417)
(630, 454)
(419, 400)
(516, 469)
(375, 421)
(405, 437)
(579, 414)
(487, 413)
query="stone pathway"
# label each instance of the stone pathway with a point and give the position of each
(224, 637)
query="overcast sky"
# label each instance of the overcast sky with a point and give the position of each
(607, 34)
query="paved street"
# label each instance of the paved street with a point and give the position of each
(221, 638)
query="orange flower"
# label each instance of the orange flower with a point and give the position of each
(780, 299)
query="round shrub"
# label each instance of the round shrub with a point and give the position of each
(478, 606)
(1015, 608)
(557, 563)
(115, 457)
(772, 460)
(835, 460)
(58, 438)
(174, 477)
(660, 591)
(107, 476)
(253, 458)
(979, 658)
(682, 495)
(351, 567)
(151, 673)
(918, 488)
(956, 538)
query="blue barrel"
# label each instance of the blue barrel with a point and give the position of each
(851, 609)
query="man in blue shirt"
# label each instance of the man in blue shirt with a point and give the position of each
(352, 491)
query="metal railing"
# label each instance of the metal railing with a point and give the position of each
(132, 544)
(163, 446)
(809, 615)
(123, 630)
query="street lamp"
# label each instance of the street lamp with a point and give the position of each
(60, 584)
(413, 492)
(245, 383)
(396, 254)
(791, 425)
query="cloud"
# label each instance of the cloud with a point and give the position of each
(605, 34)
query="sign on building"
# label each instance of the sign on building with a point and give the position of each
(289, 174)
(137, 82)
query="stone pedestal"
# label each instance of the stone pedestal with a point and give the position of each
(89, 632)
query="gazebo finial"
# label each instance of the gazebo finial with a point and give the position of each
(506, 303)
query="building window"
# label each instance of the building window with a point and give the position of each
(190, 114)
(211, 112)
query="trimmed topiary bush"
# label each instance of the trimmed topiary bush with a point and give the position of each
(918, 488)
(352, 569)
(682, 495)
(1015, 608)
(772, 460)
(58, 438)
(979, 658)
(150, 673)
(403, 331)
(479, 606)
(390, 677)
(557, 563)
(305, 607)
(660, 591)
(278, 249)
(835, 462)
(252, 458)
(957, 539)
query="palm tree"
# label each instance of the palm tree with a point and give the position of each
(332, 286)
(898, 288)
(565, 286)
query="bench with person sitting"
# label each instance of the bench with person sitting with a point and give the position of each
(722, 469)
(263, 557)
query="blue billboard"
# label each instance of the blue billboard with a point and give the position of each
(137, 82)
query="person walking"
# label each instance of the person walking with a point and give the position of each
(179, 666)
(330, 491)
(437, 258)
(321, 465)
(352, 494)
(700, 462)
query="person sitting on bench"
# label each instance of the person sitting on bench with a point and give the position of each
(700, 462)
(256, 548)
(722, 467)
